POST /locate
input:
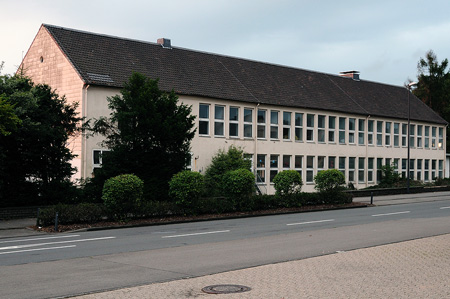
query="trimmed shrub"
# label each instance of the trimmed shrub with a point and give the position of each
(239, 183)
(186, 187)
(287, 182)
(122, 194)
(331, 180)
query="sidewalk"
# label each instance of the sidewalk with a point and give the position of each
(17, 228)
(413, 269)
(397, 199)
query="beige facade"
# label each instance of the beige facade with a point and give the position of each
(274, 137)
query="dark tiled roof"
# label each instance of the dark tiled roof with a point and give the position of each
(109, 61)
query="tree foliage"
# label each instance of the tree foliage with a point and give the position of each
(34, 159)
(148, 134)
(221, 163)
(186, 187)
(239, 183)
(433, 86)
(330, 180)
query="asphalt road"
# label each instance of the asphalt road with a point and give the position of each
(69, 264)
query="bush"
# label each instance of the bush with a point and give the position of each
(388, 176)
(287, 182)
(186, 187)
(239, 183)
(69, 214)
(122, 194)
(330, 180)
(221, 163)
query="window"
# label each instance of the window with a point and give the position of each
(298, 165)
(287, 125)
(286, 161)
(396, 134)
(379, 171)
(341, 130)
(404, 134)
(248, 123)
(433, 169)
(273, 124)
(370, 169)
(361, 125)
(419, 169)
(441, 169)
(298, 126)
(433, 138)
(361, 164)
(412, 162)
(396, 164)
(320, 163)
(404, 167)
(351, 130)
(387, 135)
(273, 166)
(342, 165)
(261, 124)
(427, 167)
(309, 169)
(370, 125)
(379, 133)
(260, 168)
(249, 157)
(331, 128)
(219, 113)
(441, 140)
(351, 169)
(310, 127)
(412, 130)
(234, 122)
(331, 162)
(321, 128)
(427, 137)
(97, 157)
(419, 135)
(203, 116)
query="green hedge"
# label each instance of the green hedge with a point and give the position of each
(70, 214)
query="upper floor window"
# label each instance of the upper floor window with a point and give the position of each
(387, 135)
(287, 125)
(261, 124)
(248, 123)
(219, 117)
(274, 124)
(370, 132)
(299, 126)
(361, 125)
(419, 135)
(331, 129)
(341, 130)
(412, 130)
(396, 134)
(441, 138)
(321, 128)
(310, 127)
(234, 122)
(404, 134)
(379, 133)
(427, 136)
(203, 116)
(351, 130)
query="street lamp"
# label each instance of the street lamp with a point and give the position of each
(409, 86)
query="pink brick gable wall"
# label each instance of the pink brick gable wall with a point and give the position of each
(46, 63)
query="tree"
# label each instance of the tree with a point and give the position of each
(34, 161)
(221, 163)
(148, 134)
(433, 86)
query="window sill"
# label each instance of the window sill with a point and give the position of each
(207, 136)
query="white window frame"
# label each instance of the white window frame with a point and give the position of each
(310, 169)
(419, 136)
(233, 122)
(261, 124)
(274, 121)
(247, 123)
(370, 129)
(379, 133)
(396, 134)
(342, 125)
(321, 128)
(361, 131)
(203, 119)
(261, 168)
(219, 121)
(387, 133)
(297, 167)
(287, 121)
(298, 127)
(309, 128)
(351, 130)
(332, 129)
(100, 157)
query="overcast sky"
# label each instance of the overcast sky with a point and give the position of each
(383, 39)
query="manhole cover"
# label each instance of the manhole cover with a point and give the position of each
(225, 289)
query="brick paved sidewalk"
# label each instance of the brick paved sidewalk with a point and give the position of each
(413, 269)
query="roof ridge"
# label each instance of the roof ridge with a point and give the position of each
(349, 96)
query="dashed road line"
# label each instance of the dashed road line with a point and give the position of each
(444, 208)
(389, 214)
(38, 239)
(310, 222)
(196, 234)
(38, 249)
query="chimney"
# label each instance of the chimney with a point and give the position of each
(165, 43)
(350, 74)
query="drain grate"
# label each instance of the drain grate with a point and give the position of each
(225, 289)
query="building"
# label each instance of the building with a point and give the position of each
(283, 117)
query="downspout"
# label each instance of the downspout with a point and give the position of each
(83, 135)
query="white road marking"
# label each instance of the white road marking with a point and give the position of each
(51, 243)
(444, 208)
(388, 214)
(38, 249)
(38, 239)
(196, 234)
(309, 222)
